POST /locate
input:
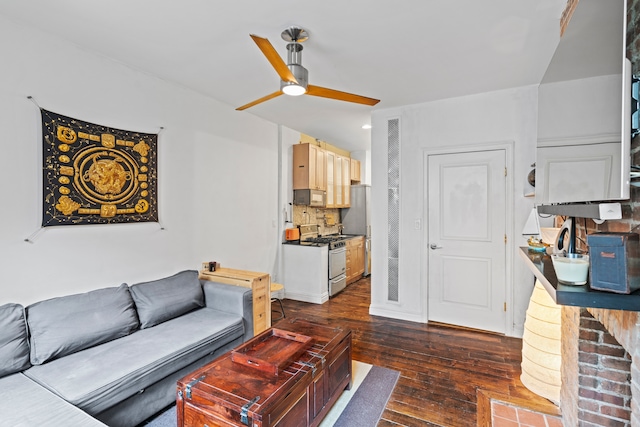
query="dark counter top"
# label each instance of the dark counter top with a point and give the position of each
(316, 244)
(578, 296)
(299, 243)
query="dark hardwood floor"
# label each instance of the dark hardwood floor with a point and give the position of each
(441, 367)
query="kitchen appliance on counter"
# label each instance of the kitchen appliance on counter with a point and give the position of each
(315, 198)
(357, 219)
(292, 233)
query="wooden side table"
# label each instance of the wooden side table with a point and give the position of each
(260, 284)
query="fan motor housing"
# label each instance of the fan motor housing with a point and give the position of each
(300, 73)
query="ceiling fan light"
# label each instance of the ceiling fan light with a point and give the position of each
(294, 89)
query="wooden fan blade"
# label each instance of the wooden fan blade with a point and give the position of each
(258, 101)
(340, 96)
(272, 56)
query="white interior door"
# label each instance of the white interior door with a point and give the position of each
(466, 239)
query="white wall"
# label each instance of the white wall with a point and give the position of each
(288, 138)
(217, 170)
(509, 115)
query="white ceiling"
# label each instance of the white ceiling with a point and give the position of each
(402, 52)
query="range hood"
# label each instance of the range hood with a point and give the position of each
(600, 211)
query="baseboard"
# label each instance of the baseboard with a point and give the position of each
(384, 312)
(312, 298)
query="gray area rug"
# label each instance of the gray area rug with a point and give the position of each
(367, 404)
(363, 410)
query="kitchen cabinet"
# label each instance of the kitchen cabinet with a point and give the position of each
(342, 181)
(355, 259)
(306, 275)
(309, 167)
(331, 191)
(315, 168)
(355, 171)
(337, 181)
(346, 182)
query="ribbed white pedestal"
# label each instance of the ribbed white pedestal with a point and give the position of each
(541, 354)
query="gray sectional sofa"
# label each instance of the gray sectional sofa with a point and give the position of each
(112, 356)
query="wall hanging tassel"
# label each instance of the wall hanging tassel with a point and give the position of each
(34, 101)
(32, 238)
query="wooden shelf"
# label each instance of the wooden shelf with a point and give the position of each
(578, 296)
(260, 284)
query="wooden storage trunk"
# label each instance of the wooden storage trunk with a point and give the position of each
(614, 262)
(331, 358)
(227, 393)
(234, 393)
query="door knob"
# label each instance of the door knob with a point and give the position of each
(434, 246)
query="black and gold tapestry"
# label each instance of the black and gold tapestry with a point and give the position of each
(94, 174)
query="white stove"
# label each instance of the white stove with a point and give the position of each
(335, 260)
(309, 236)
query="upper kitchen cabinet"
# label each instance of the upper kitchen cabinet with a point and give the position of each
(309, 167)
(346, 182)
(338, 180)
(331, 188)
(355, 171)
(318, 165)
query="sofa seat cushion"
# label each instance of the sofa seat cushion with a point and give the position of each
(14, 345)
(26, 404)
(64, 325)
(97, 378)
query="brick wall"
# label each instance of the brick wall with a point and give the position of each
(604, 375)
(594, 340)
(569, 371)
(624, 326)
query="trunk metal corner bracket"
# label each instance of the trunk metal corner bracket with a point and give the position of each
(244, 411)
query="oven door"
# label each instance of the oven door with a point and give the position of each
(337, 262)
(337, 284)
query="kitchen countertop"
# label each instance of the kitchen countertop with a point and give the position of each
(578, 296)
(316, 244)
(299, 243)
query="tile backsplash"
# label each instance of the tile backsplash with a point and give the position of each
(328, 220)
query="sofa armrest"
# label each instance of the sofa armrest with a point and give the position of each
(231, 299)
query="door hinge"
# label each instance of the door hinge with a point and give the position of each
(505, 239)
(505, 306)
(505, 171)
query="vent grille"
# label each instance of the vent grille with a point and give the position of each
(393, 206)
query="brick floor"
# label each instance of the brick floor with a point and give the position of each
(506, 415)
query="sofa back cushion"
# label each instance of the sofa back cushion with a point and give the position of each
(164, 299)
(64, 325)
(14, 345)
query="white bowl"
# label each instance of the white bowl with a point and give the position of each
(571, 269)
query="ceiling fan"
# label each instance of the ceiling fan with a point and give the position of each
(293, 76)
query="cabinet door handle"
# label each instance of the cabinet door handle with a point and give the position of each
(434, 246)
